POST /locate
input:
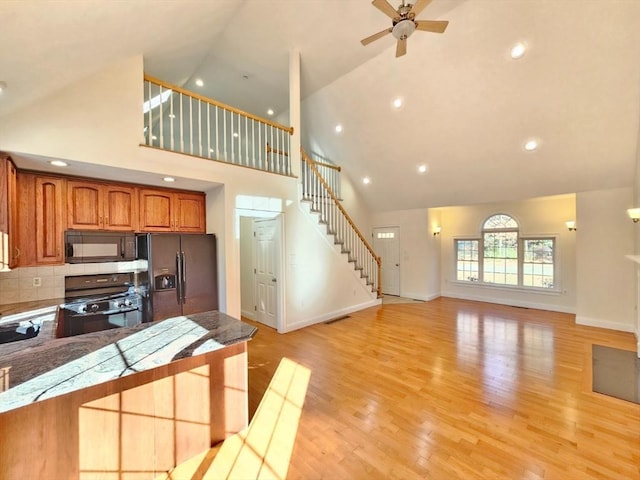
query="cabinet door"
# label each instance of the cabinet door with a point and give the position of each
(12, 196)
(189, 212)
(8, 214)
(84, 205)
(120, 208)
(156, 210)
(49, 220)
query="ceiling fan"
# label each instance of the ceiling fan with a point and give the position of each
(404, 23)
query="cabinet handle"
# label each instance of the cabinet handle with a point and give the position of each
(17, 252)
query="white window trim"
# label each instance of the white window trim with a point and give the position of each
(556, 290)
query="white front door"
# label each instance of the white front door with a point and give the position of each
(386, 243)
(267, 258)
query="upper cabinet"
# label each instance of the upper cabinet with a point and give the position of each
(9, 250)
(97, 206)
(48, 205)
(171, 211)
(42, 219)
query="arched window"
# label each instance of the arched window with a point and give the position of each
(502, 256)
(500, 250)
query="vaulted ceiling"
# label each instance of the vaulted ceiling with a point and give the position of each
(468, 106)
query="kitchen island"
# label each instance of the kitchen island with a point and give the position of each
(123, 403)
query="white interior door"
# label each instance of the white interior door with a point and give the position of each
(386, 243)
(267, 258)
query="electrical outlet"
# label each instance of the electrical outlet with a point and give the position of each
(37, 281)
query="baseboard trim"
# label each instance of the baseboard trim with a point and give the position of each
(331, 315)
(420, 296)
(601, 323)
(250, 314)
(513, 303)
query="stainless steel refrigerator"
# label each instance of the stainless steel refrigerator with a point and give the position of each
(182, 273)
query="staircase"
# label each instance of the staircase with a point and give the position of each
(317, 191)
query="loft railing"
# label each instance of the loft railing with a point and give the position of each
(316, 190)
(182, 121)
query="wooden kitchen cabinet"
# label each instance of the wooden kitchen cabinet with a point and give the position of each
(97, 206)
(42, 219)
(9, 251)
(171, 211)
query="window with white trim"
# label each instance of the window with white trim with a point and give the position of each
(500, 250)
(502, 257)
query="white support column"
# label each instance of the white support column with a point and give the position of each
(294, 110)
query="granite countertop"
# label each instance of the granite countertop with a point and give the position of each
(44, 367)
(26, 308)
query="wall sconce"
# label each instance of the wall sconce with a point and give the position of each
(634, 214)
(571, 225)
(436, 231)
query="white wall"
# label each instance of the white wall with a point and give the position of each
(419, 250)
(321, 283)
(540, 216)
(96, 120)
(99, 121)
(605, 277)
(247, 284)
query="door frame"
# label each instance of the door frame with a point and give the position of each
(374, 231)
(277, 264)
(279, 267)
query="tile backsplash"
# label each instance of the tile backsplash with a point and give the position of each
(40, 283)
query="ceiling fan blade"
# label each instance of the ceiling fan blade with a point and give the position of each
(401, 48)
(375, 36)
(435, 26)
(419, 5)
(385, 8)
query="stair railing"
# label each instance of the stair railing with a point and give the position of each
(182, 121)
(316, 190)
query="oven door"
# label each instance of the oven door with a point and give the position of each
(71, 323)
(92, 247)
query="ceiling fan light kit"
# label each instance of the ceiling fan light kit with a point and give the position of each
(404, 23)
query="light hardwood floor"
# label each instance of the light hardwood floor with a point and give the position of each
(452, 389)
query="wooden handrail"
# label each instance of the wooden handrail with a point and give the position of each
(273, 150)
(311, 164)
(215, 103)
(328, 165)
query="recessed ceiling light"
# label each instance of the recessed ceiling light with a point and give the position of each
(58, 163)
(518, 50)
(199, 82)
(270, 112)
(338, 128)
(366, 180)
(423, 168)
(3, 86)
(169, 179)
(531, 145)
(397, 102)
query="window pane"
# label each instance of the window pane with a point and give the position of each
(467, 260)
(500, 264)
(538, 262)
(499, 221)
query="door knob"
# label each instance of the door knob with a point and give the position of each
(273, 279)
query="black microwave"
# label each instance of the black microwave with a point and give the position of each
(91, 247)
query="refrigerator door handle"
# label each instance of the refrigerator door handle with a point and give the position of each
(179, 275)
(183, 264)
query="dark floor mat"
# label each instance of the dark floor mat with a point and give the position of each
(616, 373)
